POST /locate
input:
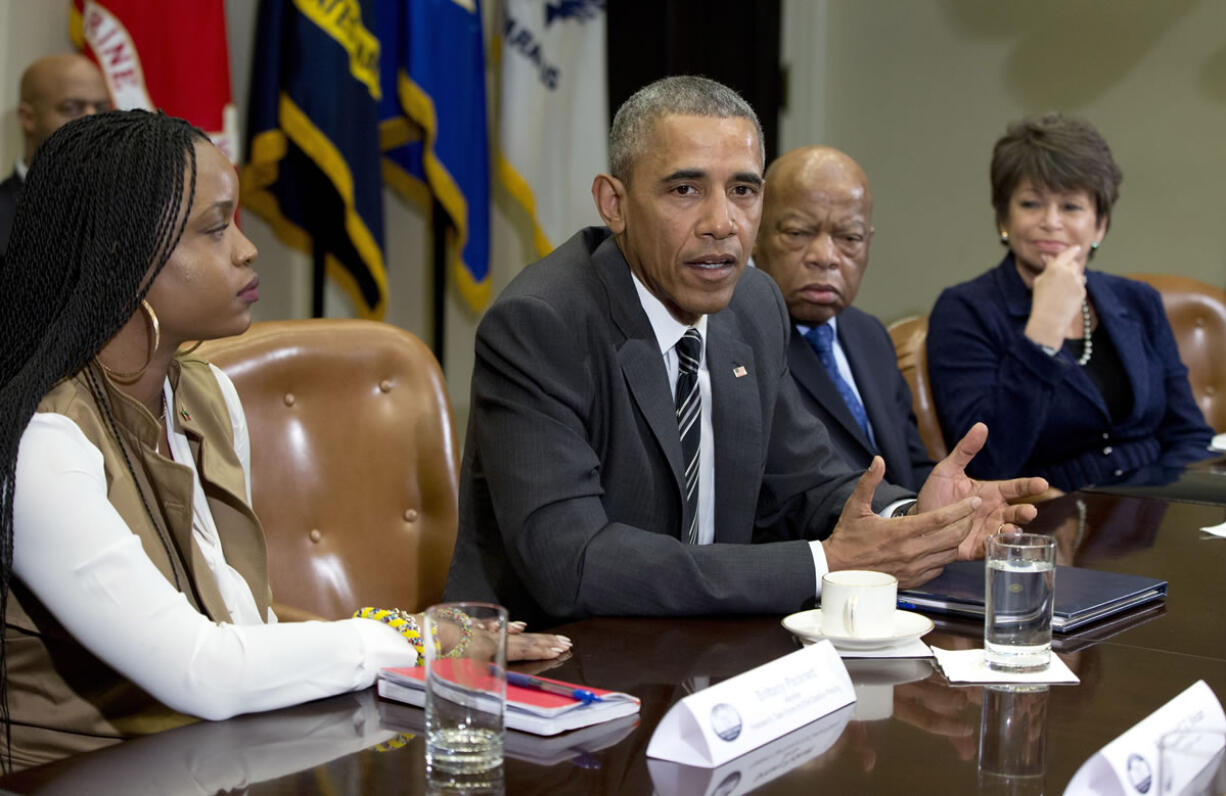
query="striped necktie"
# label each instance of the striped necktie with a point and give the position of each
(822, 339)
(689, 413)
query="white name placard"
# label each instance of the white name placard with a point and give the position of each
(752, 770)
(1130, 764)
(727, 720)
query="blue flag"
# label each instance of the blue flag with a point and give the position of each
(313, 169)
(433, 124)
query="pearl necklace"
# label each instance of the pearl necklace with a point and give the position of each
(1087, 345)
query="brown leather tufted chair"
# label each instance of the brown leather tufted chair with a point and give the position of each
(1197, 312)
(909, 336)
(354, 465)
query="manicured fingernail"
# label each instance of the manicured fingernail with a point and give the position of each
(558, 650)
(563, 639)
(520, 625)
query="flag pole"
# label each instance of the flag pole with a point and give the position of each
(317, 280)
(439, 221)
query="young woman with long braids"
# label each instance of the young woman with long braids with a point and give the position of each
(133, 579)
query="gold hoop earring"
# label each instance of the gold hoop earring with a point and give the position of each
(185, 351)
(155, 337)
(1004, 237)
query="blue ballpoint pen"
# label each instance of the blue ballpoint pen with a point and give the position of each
(528, 681)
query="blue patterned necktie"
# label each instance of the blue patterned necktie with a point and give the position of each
(822, 339)
(689, 424)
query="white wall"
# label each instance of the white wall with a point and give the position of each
(918, 92)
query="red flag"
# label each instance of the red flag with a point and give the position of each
(167, 56)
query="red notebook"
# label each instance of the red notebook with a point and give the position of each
(528, 709)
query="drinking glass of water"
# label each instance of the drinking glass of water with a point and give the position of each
(1021, 576)
(466, 686)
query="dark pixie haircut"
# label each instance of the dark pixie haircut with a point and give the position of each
(681, 95)
(1057, 153)
(104, 205)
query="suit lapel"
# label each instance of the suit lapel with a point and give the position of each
(811, 374)
(639, 356)
(736, 418)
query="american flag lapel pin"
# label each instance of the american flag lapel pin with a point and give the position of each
(739, 371)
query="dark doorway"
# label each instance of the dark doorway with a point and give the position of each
(733, 41)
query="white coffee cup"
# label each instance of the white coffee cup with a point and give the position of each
(857, 603)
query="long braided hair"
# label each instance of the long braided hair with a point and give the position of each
(105, 203)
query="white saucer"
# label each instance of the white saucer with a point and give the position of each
(1218, 443)
(908, 625)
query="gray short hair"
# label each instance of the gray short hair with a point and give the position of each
(682, 95)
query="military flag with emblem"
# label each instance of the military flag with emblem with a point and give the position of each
(553, 119)
(433, 121)
(313, 169)
(168, 56)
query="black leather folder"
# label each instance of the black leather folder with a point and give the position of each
(1082, 595)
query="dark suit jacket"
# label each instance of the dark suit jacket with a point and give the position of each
(1045, 416)
(571, 485)
(10, 191)
(886, 396)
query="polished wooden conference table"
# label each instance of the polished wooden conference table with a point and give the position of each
(924, 737)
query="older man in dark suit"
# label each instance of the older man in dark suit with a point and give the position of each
(54, 90)
(817, 226)
(636, 445)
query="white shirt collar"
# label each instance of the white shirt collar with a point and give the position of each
(833, 323)
(668, 330)
(21, 168)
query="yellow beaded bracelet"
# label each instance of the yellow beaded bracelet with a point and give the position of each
(402, 621)
(466, 627)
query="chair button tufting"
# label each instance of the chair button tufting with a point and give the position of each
(289, 399)
(410, 515)
(315, 535)
(385, 386)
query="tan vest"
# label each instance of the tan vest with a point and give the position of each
(62, 699)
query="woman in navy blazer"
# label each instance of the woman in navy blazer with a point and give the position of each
(1076, 372)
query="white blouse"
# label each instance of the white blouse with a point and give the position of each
(77, 555)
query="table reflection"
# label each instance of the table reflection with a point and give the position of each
(911, 732)
(1013, 735)
(1198, 482)
(230, 756)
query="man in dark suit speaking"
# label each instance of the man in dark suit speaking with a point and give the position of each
(636, 445)
(817, 226)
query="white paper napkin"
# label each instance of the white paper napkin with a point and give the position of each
(912, 648)
(968, 666)
(1216, 530)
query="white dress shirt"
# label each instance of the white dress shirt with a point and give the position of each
(668, 331)
(76, 553)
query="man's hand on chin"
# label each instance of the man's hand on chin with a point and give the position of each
(949, 484)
